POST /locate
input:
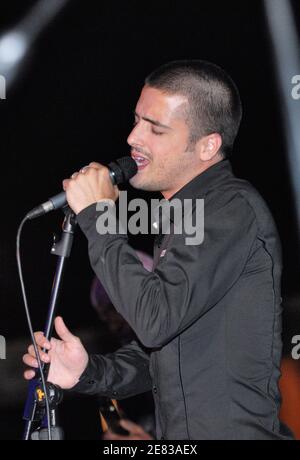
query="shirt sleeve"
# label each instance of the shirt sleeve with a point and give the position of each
(117, 375)
(188, 281)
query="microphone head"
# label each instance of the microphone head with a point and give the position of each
(123, 169)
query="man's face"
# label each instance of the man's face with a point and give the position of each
(159, 142)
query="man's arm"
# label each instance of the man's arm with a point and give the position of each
(117, 375)
(188, 281)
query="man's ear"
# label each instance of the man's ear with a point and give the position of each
(209, 146)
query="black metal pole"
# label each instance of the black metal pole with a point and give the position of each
(34, 410)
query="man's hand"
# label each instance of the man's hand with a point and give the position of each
(89, 186)
(136, 433)
(67, 357)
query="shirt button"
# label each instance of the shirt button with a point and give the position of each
(91, 382)
(155, 389)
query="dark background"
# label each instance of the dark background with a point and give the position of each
(73, 104)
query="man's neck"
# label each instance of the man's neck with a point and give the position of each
(167, 194)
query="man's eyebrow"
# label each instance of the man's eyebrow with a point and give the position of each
(153, 122)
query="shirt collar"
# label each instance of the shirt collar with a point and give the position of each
(210, 178)
(196, 188)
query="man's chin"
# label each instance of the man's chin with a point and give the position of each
(140, 184)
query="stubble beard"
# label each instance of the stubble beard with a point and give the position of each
(146, 185)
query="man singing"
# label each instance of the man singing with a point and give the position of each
(208, 317)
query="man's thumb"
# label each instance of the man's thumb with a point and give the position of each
(62, 330)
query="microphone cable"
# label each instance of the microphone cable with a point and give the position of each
(29, 322)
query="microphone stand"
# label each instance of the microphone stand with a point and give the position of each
(35, 404)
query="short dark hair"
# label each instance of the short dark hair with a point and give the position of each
(214, 101)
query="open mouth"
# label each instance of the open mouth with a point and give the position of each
(141, 161)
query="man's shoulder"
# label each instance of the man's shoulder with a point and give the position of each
(240, 190)
(241, 197)
(234, 193)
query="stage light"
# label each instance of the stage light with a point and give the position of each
(13, 47)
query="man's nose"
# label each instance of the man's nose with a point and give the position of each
(136, 136)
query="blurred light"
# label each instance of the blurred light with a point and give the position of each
(13, 47)
(286, 51)
(15, 43)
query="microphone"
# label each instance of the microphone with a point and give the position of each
(120, 171)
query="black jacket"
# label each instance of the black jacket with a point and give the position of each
(208, 318)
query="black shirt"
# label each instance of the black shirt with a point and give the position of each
(208, 317)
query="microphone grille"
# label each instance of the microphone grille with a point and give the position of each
(123, 169)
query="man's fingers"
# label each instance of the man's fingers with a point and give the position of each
(65, 184)
(31, 351)
(44, 356)
(30, 361)
(29, 374)
(41, 340)
(95, 165)
(63, 332)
